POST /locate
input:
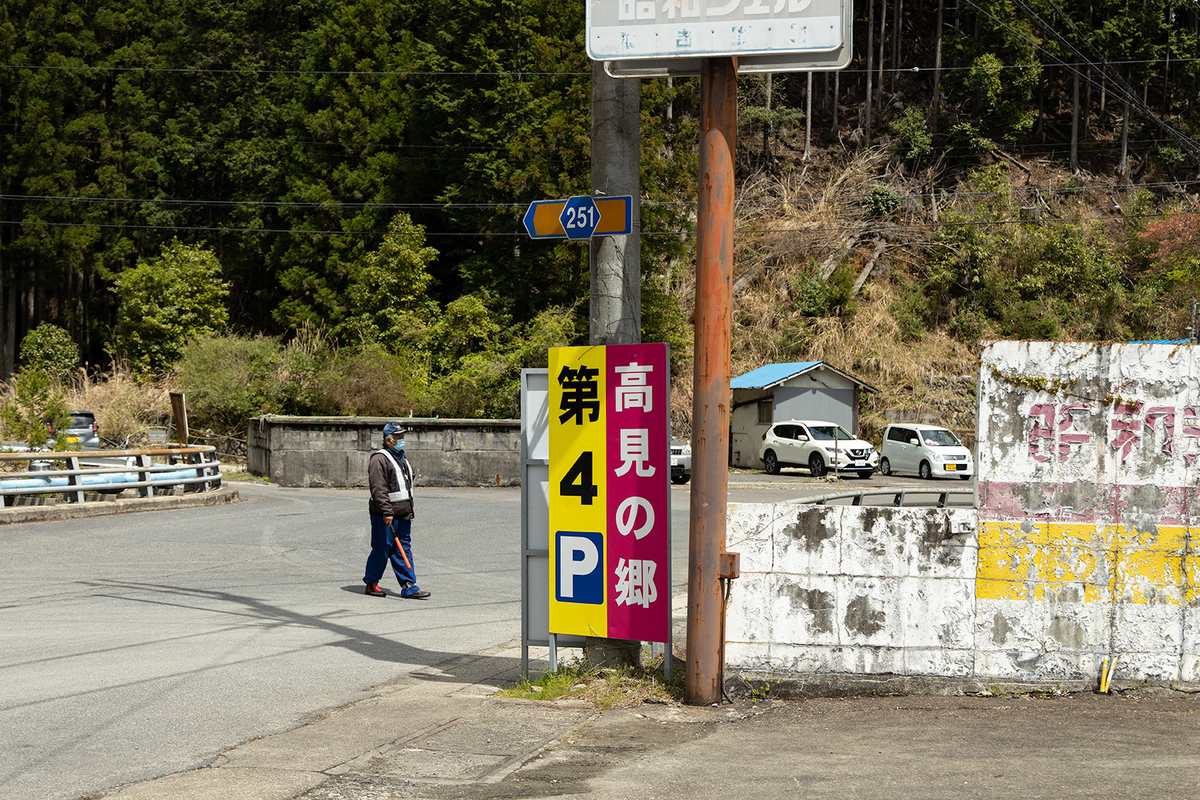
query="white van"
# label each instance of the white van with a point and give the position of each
(925, 450)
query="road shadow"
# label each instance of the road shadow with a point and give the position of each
(452, 666)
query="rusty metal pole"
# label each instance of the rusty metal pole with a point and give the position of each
(710, 401)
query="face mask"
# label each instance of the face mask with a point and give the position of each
(399, 444)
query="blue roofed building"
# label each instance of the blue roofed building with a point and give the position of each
(794, 390)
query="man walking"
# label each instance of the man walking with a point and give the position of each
(389, 477)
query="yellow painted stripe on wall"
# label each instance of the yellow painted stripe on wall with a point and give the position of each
(1100, 563)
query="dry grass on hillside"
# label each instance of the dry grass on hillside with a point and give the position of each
(124, 406)
(794, 229)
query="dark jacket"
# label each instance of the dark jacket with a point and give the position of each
(382, 480)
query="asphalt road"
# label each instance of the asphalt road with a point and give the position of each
(138, 645)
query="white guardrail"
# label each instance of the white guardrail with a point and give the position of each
(196, 468)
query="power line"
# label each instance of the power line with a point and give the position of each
(514, 73)
(865, 227)
(354, 72)
(1120, 88)
(842, 199)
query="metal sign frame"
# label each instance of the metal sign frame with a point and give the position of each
(535, 520)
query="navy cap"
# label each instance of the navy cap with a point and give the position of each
(393, 428)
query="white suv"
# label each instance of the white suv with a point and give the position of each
(818, 446)
(926, 450)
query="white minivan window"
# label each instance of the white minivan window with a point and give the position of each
(940, 438)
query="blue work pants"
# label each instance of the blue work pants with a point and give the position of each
(383, 550)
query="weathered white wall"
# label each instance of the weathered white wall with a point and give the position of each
(1084, 545)
(854, 589)
(1089, 459)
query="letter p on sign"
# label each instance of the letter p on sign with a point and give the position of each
(579, 578)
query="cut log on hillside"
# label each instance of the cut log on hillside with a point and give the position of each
(752, 273)
(872, 260)
(1013, 161)
(830, 264)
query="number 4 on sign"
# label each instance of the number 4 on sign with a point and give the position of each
(578, 480)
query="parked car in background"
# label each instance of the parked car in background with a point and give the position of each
(926, 450)
(80, 434)
(818, 446)
(681, 461)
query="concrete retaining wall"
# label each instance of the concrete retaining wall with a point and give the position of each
(852, 589)
(334, 451)
(1083, 546)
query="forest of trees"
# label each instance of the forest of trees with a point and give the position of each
(360, 168)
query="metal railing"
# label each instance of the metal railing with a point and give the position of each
(196, 468)
(899, 496)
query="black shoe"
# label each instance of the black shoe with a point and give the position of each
(420, 594)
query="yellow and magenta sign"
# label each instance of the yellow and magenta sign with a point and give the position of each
(609, 503)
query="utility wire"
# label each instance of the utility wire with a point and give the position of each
(498, 73)
(841, 199)
(1120, 88)
(518, 234)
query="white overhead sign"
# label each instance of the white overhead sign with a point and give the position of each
(661, 37)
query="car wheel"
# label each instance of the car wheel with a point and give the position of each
(885, 467)
(680, 478)
(964, 477)
(816, 465)
(925, 472)
(770, 463)
(866, 474)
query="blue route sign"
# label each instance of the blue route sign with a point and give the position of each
(580, 217)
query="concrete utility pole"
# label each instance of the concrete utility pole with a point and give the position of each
(710, 403)
(615, 261)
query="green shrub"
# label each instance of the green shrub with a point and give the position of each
(166, 302)
(811, 294)
(487, 384)
(966, 137)
(482, 387)
(913, 139)
(1030, 319)
(882, 201)
(1169, 155)
(35, 403)
(908, 310)
(372, 382)
(51, 349)
(228, 379)
(814, 296)
(968, 325)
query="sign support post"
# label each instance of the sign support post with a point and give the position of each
(710, 397)
(713, 40)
